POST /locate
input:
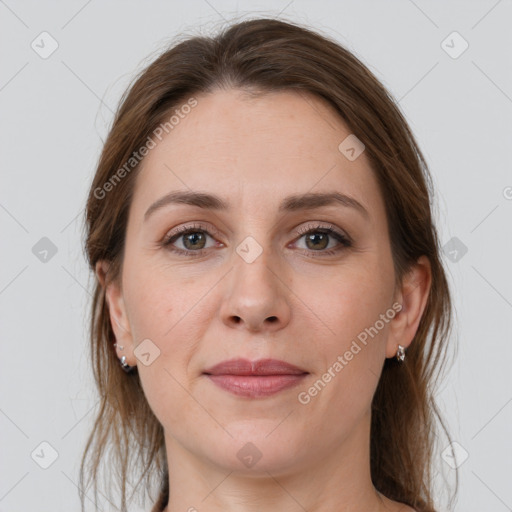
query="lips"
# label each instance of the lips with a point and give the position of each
(259, 367)
(255, 379)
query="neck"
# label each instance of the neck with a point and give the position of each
(333, 478)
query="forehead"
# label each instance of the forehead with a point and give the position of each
(257, 149)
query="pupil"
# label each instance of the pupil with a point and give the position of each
(193, 238)
(314, 238)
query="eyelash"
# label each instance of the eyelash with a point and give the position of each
(328, 230)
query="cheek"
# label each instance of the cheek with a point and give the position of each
(161, 310)
(151, 309)
(350, 357)
(346, 303)
(350, 344)
(158, 300)
(157, 312)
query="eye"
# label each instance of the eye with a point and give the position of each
(192, 238)
(317, 239)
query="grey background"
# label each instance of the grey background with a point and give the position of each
(55, 113)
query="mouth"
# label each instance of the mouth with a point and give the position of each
(254, 379)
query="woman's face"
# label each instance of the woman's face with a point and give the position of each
(248, 282)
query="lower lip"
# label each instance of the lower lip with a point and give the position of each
(256, 385)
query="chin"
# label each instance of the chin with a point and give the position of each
(258, 449)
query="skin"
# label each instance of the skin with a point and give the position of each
(199, 311)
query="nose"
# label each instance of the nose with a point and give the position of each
(255, 296)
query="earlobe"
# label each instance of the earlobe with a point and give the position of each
(413, 297)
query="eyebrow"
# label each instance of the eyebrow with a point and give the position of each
(308, 201)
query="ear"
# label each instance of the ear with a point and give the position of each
(117, 312)
(413, 297)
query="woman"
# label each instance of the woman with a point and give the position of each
(269, 279)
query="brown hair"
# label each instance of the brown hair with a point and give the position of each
(264, 55)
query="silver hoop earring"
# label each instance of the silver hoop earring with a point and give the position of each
(400, 353)
(126, 367)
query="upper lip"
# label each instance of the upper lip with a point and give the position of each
(259, 367)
